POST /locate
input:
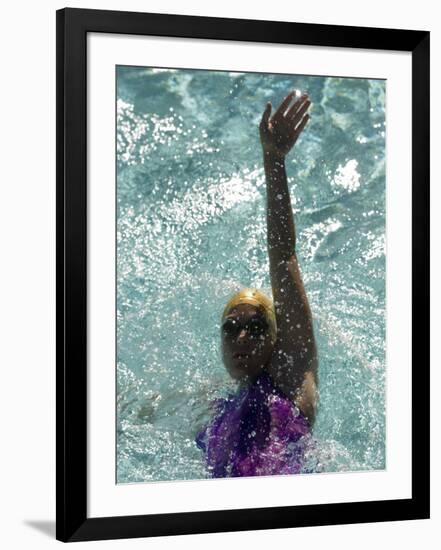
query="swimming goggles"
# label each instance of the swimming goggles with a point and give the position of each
(256, 326)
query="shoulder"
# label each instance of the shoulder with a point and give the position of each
(307, 397)
(288, 420)
(300, 389)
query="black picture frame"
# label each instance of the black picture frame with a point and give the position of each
(72, 523)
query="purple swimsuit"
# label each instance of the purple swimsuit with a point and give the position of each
(256, 432)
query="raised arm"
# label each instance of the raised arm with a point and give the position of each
(293, 365)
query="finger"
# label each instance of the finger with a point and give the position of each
(265, 117)
(284, 105)
(299, 118)
(302, 124)
(298, 110)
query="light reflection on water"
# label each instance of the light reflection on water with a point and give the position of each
(191, 230)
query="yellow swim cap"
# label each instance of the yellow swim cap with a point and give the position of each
(256, 298)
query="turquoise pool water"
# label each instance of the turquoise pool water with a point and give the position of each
(191, 230)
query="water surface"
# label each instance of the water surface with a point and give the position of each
(191, 230)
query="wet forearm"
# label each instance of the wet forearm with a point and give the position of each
(280, 220)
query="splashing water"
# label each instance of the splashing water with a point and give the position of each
(191, 230)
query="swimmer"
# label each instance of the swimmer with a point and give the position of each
(268, 346)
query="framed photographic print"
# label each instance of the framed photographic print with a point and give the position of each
(242, 274)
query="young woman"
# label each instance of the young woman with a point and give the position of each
(268, 346)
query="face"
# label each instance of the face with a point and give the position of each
(246, 342)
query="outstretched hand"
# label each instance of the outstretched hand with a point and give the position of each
(279, 133)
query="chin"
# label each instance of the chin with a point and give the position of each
(238, 371)
(235, 375)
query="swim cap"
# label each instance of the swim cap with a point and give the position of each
(256, 298)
